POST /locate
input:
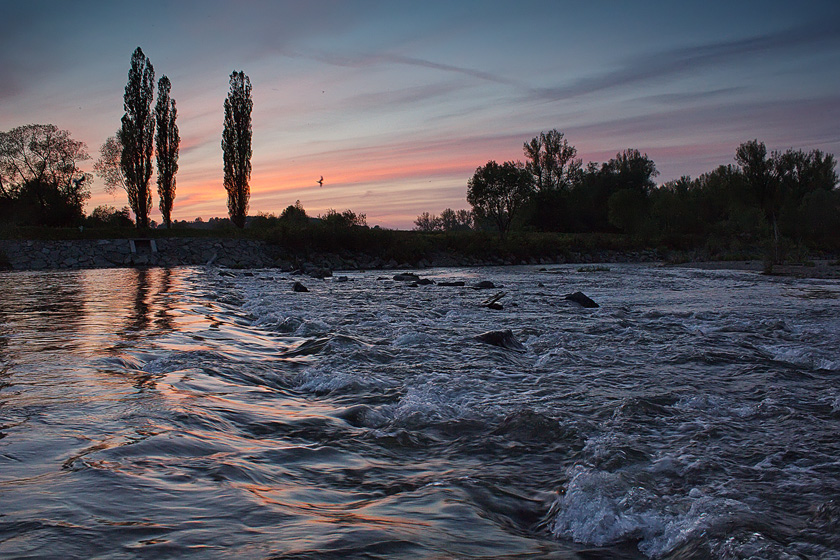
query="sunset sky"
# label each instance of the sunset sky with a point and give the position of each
(397, 102)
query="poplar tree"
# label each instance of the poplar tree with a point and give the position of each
(236, 146)
(137, 136)
(166, 149)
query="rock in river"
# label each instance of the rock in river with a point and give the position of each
(582, 299)
(502, 339)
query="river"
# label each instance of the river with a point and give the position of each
(209, 413)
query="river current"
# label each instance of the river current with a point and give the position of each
(208, 413)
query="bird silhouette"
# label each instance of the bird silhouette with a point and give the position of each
(321, 181)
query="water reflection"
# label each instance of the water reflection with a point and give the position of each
(88, 311)
(151, 309)
(37, 308)
(188, 420)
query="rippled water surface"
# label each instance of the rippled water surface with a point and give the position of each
(205, 413)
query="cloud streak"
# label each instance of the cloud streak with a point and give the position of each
(416, 97)
(681, 61)
(379, 59)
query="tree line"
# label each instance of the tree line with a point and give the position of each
(41, 182)
(778, 195)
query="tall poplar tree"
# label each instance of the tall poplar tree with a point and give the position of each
(236, 146)
(137, 136)
(166, 149)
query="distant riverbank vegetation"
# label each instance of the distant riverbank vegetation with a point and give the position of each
(777, 206)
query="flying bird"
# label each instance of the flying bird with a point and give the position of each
(321, 181)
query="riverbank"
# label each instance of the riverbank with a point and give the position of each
(250, 253)
(819, 269)
(109, 253)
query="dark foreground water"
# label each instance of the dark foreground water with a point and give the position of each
(195, 413)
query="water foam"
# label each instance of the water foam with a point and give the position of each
(412, 339)
(606, 508)
(800, 357)
(325, 379)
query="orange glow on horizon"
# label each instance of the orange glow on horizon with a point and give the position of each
(346, 183)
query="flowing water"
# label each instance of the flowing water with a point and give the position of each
(203, 413)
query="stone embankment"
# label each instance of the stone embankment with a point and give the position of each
(106, 253)
(245, 253)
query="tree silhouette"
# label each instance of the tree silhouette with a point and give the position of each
(498, 192)
(236, 146)
(294, 215)
(166, 146)
(40, 181)
(427, 222)
(763, 184)
(39, 152)
(551, 160)
(449, 220)
(137, 136)
(632, 170)
(109, 165)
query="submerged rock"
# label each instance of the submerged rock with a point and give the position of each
(424, 282)
(484, 285)
(502, 339)
(318, 272)
(493, 302)
(406, 277)
(362, 416)
(453, 284)
(298, 287)
(582, 299)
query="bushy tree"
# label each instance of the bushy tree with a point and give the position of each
(109, 165)
(586, 206)
(631, 169)
(673, 207)
(761, 180)
(498, 192)
(137, 136)
(449, 220)
(806, 180)
(340, 220)
(294, 215)
(551, 160)
(109, 216)
(236, 146)
(627, 210)
(427, 222)
(40, 181)
(167, 142)
(818, 215)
